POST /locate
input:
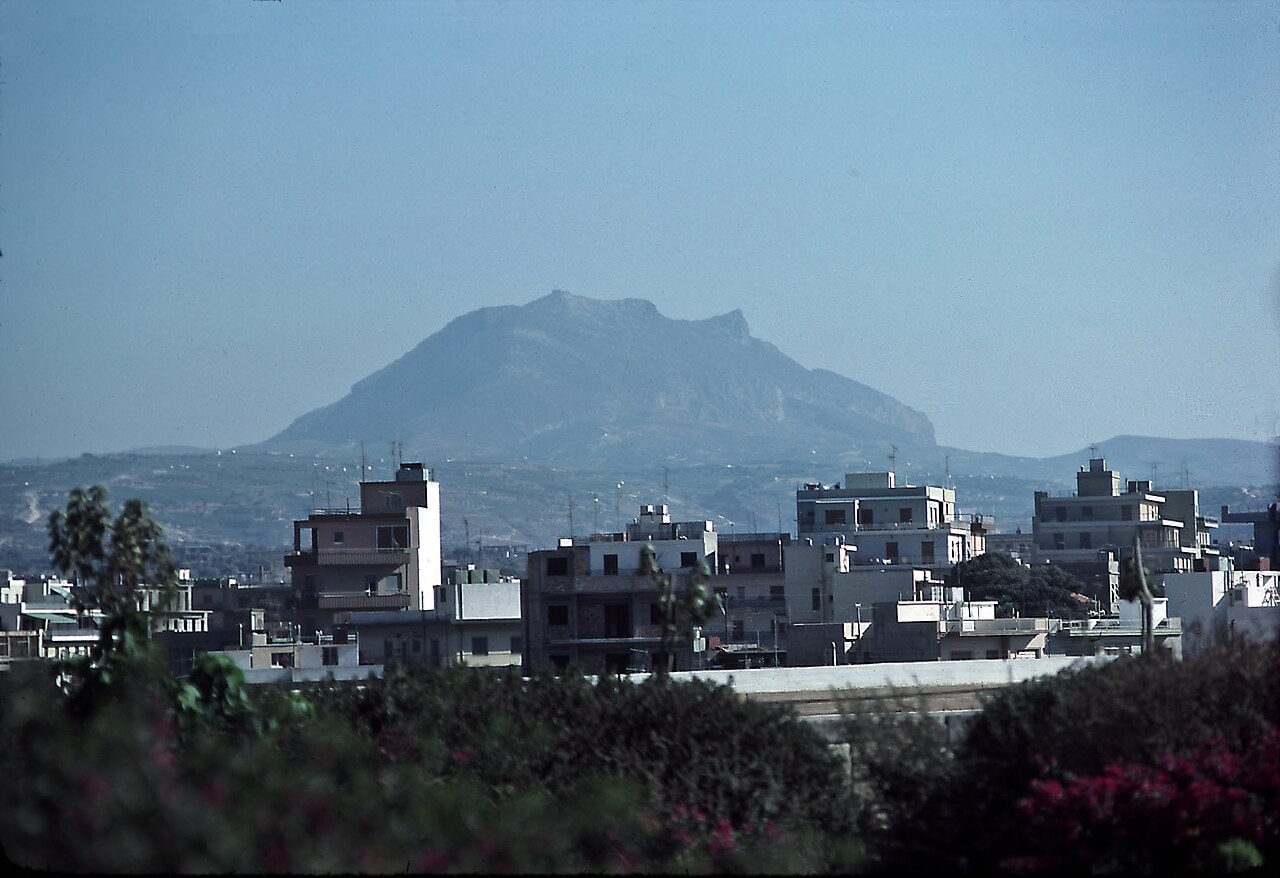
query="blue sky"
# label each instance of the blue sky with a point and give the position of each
(1042, 224)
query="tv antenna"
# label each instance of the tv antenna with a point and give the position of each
(893, 456)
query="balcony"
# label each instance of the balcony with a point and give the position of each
(361, 558)
(355, 600)
(994, 626)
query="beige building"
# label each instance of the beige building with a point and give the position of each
(887, 523)
(475, 622)
(384, 556)
(1100, 520)
(587, 605)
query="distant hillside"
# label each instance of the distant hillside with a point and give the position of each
(565, 414)
(570, 380)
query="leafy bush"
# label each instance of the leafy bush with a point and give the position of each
(924, 805)
(452, 771)
(1041, 590)
(1193, 811)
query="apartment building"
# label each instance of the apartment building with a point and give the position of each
(475, 622)
(384, 556)
(887, 523)
(1097, 526)
(751, 587)
(587, 605)
(1218, 606)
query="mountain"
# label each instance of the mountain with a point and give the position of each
(576, 381)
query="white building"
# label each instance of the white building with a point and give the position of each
(887, 523)
(1216, 606)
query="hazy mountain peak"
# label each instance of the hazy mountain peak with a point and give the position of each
(567, 378)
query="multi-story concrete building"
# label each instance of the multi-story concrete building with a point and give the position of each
(751, 587)
(1217, 606)
(586, 603)
(385, 556)
(824, 583)
(475, 622)
(911, 630)
(1121, 635)
(1266, 534)
(887, 523)
(1090, 531)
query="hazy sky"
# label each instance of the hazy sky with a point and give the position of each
(1042, 224)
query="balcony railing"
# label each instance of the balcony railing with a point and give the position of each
(360, 601)
(377, 557)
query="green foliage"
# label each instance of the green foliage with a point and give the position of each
(435, 771)
(924, 805)
(109, 561)
(1041, 590)
(695, 606)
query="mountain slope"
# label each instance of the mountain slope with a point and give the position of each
(572, 380)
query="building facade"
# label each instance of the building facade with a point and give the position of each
(384, 556)
(587, 604)
(886, 523)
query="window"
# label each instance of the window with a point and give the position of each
(329, 656)
(926, 551)
(757, 561)
(817, 599)
(961, 655)
(891, 550)
(688, 559)
(393, 500)
(370, 584)
(655, 614)
(739, 630)
(742, 592)
(558, 566)
(904, 514)
(1059, 541)
(1126, 513)
(558, 614)
(1086, 541)
(831, 557)
(479, 645)
(281, 659)
(517, 643)
(611, 565)
(394, 536)
(866, 516)
(1060, 512)
(617, 620)
(834, 516)
(777, 592)
(338, 537)
(1086, 512)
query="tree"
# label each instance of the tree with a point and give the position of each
(109, 562)
(697, 605)
(1133, 586)
(1043, 590)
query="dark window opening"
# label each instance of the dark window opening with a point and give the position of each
(558, 614)
(617, 620)
(558, 566)
(611, 565)
(835, 516)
